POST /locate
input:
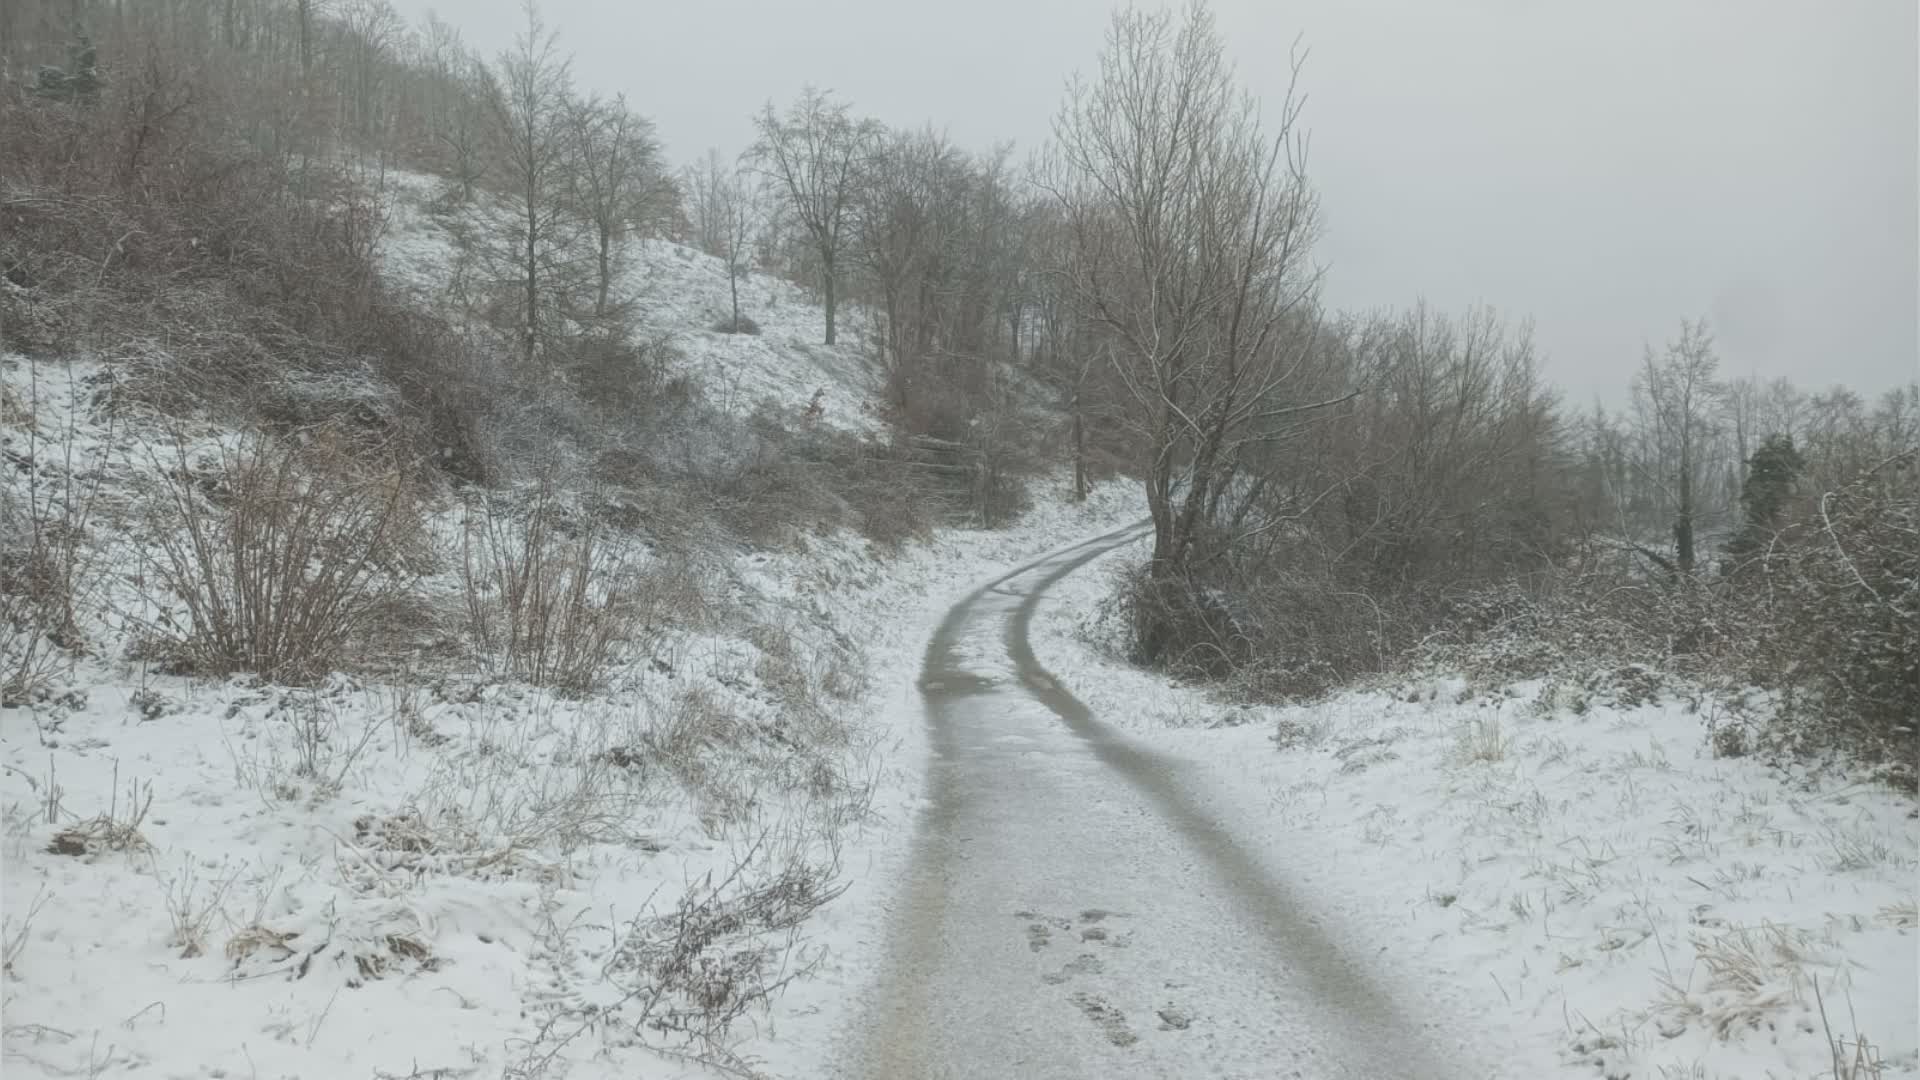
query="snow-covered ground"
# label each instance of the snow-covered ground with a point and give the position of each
(681, 293)
(447, 874)
(453, 875)
(459, 876)
(1579, 873)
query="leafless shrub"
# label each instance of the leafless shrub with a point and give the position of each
(742, 325)
(48, 559)
(319, 748)
(193, 904)
(779, 483)
(1827, 616)
(452, 386)
(630, 383)
(724, 952)
(280, 556)
(553, 596)
(1610, 635)
(717, 956)
(1838, 605)
(808, 680)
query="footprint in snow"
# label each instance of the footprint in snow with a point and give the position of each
(1040, 931)
(1111, 1021)
(1084, 964)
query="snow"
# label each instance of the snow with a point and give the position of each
(445, 872)
(1578, 877)
(680, 294)
(438, 873)
(446, 875)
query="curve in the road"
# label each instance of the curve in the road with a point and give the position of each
(1028, 822)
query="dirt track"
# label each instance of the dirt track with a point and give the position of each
(1072, 909)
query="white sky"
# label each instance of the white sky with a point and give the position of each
(1605, 168)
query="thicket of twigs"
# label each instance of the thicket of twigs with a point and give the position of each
(1833, 605)
(1824, 617)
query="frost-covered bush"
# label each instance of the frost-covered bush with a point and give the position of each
(275, 557)
(1834, 604)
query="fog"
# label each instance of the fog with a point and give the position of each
(1604, 170)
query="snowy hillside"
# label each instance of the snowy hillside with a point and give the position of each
(682, 293)
(1569, 866)
(450, 873)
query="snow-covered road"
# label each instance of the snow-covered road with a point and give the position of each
(1072, 909)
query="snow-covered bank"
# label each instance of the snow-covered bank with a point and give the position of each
(430, 867)
(1579, 876)
(458, 876)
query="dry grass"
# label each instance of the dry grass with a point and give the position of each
(1905, 915)
(193, 905)
(117, 829)
(1751, 973)
(320, 745)
(553, 597)
(14, 935)
(1854, 1058)
(48, 563)
(1482, 741)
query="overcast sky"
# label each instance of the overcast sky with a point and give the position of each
(1604, 168)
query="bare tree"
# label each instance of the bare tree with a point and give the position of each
(533, 250)
(616, 184)
(1190, 226)
(813, 154)
(1676, 397)
(702, 186)
(741, 215)
(369, 33)
(304, 9)
(905, 205)
(455, 103)
(1446, 468)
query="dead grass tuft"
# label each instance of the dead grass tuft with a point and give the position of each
(1751, 974)
(1482, 741)
(1905, 915)
(117, 829)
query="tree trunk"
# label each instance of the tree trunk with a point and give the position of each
(1079, 452)
(898, 362)
(306, 37)
(829, 275)
(733, 285)
(1683, 526)
(606, 273)
(533, 276)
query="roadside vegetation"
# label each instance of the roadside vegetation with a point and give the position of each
(500, 503)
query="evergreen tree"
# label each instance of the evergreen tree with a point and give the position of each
(1772, 472)
(78, 81)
